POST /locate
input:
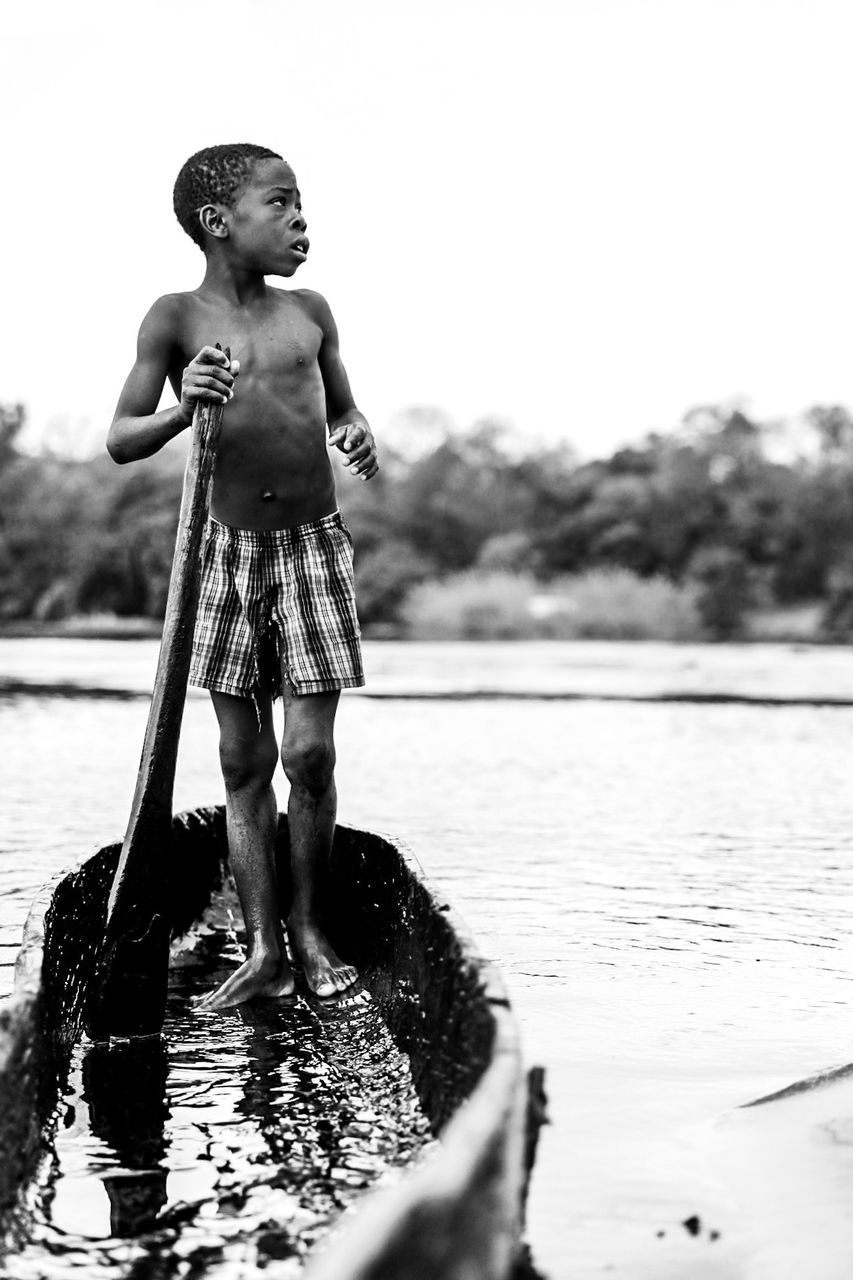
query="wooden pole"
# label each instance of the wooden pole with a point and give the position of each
(129, 992)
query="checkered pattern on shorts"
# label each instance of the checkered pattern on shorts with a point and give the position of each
(276, 600)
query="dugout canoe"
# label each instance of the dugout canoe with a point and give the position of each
(457, 1214)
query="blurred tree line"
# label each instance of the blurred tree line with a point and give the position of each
(717, 504)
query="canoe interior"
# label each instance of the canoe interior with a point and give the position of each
(444, 1006)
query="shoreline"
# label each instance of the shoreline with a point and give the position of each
(578, 672)
(139, 628)
(94, 628)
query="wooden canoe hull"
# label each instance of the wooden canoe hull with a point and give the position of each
(459, 1214)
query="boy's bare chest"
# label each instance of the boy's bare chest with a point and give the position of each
(284, 342)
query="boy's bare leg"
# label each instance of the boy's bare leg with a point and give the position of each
(248, 755)
(308, 757)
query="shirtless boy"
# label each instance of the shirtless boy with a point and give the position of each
(277, 587)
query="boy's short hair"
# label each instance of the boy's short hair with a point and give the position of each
(212, 176)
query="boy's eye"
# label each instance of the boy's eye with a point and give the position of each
(286, 200)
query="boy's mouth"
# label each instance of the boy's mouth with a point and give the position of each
(300, 246)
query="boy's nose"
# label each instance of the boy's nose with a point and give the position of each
(299, 223)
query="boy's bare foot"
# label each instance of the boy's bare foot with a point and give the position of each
(267, 976)
(325, 973)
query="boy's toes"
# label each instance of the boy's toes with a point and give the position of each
(338, 980)
(345, 977)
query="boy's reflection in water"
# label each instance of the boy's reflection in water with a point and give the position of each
(124, 1088)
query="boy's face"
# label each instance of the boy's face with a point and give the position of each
(265, 223)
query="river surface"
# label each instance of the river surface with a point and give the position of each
(653, 844)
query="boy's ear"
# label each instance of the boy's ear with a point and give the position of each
(212, 221)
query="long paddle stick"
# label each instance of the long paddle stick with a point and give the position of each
(128, 996)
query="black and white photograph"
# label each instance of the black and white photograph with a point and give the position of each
(426, 640)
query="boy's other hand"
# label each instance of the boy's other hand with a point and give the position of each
(209, 377)
(356, 443)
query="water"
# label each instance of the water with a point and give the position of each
(665, 886)
(234, 1141)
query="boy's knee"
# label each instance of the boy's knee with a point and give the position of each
(247, 764)
(309, 762)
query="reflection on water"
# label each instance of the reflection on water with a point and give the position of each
(232, 1141)
(666, 887)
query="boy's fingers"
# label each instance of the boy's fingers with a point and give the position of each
(356, 436)
(202, 396)
(367, 465)
(360, 452)
(212, 355)
(355, 442)
(213, 384)
(205, 376)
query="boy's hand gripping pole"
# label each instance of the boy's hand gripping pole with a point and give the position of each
(128, 994)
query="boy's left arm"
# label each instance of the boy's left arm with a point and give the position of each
(349, 430)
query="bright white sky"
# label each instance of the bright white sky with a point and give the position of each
(584, 216)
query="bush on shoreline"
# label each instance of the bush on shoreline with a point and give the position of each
(473, 605)
(602, 604)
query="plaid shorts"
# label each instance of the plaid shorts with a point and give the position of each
(273, 601)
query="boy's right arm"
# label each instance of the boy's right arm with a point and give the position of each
(137, 429)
